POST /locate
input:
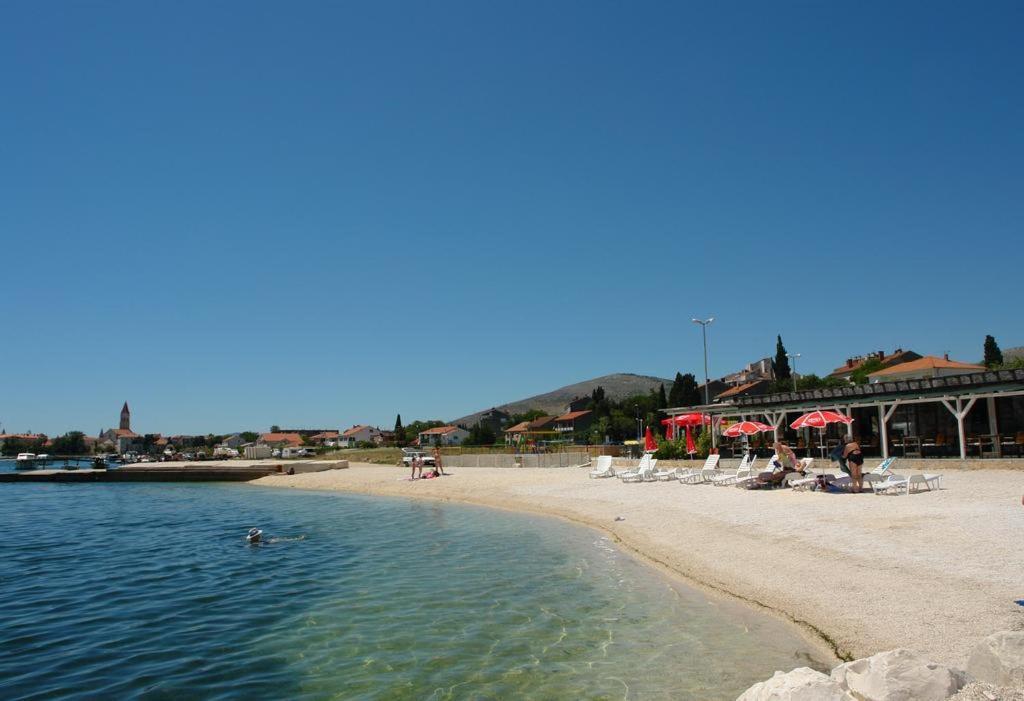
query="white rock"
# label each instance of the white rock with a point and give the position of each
(999, 659)
(802, 684)
(898, 675)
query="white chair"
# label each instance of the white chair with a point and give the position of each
(645, 459)
(603, 467)
(877, 476)
(895, 484)
(669, 474)
(744, 470)
(706, 473)
(745, 482)
(645, 473)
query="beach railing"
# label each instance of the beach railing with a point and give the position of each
(560, 459)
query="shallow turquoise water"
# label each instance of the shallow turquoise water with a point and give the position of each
(149, 591)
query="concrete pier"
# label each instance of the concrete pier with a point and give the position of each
(205, 471)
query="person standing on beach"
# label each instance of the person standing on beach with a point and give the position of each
(437, 461)
(417, 464)
(855, 460)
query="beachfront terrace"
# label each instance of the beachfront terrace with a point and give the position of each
(980, 415)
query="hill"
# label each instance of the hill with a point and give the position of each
(617, 387)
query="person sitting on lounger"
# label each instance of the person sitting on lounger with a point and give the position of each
(787, 462)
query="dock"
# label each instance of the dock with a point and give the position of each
(202, 471)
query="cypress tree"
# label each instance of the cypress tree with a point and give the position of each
(399, 431)
(675, 395)
(690, 391)
(993, 355)
(662, 399)
(782, 371)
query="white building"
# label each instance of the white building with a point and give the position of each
(443, 435)
(358, 434)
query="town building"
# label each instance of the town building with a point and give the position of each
(443, 435)
(845, 371)
(528, 432)
(925, 368)
(574, 426)
(123, 439)
(280, 439)
(360, 433)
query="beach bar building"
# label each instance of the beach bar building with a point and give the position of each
(970, 414)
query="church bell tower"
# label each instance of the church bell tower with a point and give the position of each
(126, 418)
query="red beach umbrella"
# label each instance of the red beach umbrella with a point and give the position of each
(746, 428)
(820, 419)
(649, 444)
(691, 447)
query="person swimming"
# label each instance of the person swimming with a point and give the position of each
(254, 536)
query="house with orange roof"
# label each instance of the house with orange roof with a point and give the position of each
(925, 368)
(541, 428)
(747, 389)
(280, 440)
(898, 356)
(574, 425)
(443, 435)
(360, 433)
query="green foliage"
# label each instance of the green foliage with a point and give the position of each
(860, 375)
(662, 399)
(275, 429)
(416, 427)
(671, 450)
(480, 434)
(782, 371)
(703, 442)
(685, 391)
(1013, 364)
(529, 415)
(71, 443)
(993, 355)
(13, 446)
(249, 436)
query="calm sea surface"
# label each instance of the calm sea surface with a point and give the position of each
(150, 592)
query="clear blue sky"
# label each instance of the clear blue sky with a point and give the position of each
(239, 214)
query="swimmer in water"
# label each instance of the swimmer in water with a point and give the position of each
(254, 536)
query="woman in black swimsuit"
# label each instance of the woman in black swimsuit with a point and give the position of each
(855, 459)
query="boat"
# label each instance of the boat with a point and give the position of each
(25, 461)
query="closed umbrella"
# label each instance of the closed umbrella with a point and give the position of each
(649, 443)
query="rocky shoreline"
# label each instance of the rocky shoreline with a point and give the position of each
(994, 672)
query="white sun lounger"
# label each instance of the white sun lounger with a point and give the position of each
(895, 484)
(877, 476)
(603, 467)
(744, 470)
(745, 482)
(705, 474)
(644, 473)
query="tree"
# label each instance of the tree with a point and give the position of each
(860, 375)
(597, 396)
(691, 390)
(275, 429)
(675, 395)
(993, 356)
(662, 399)
(249, 436)
(399, 432)
(480, 434)
(71, 443)
(782, 371)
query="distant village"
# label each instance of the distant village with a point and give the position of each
(581, 421)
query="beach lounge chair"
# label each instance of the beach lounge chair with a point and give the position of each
(746, 482)
(744, 470)
(645, 459)
(706, 473)
(669, 474)
(878, 475)
(644, 473)
(894, 484)
(603, 467)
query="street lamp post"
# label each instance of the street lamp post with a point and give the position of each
(636, 413)
(704, 323)
(793, 357)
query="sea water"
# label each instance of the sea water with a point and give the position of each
(150, 591)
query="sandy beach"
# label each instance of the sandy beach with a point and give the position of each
(934, 572)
